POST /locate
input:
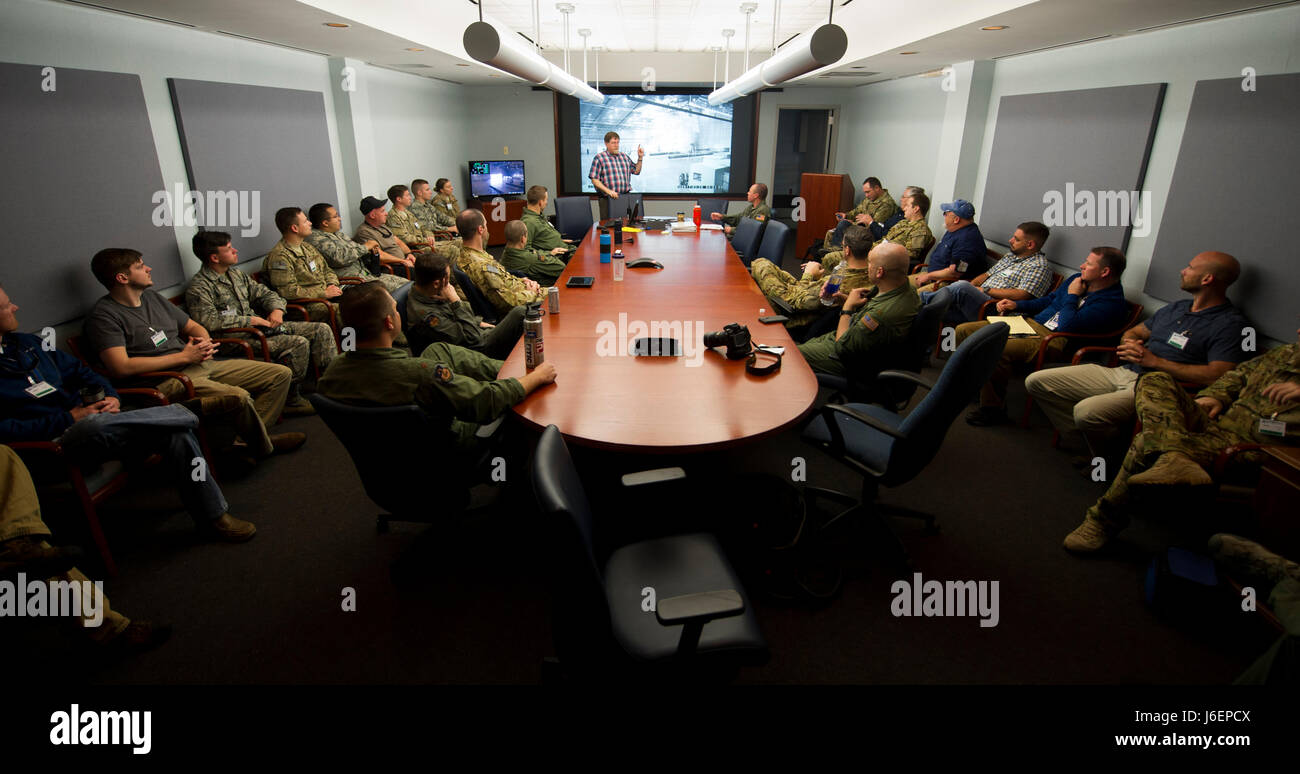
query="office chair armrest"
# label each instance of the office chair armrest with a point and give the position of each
(48, 447)
(986, 307)
(150, 395)
(655, 476)
(352, 281)
(1226, 456)
(907, 376)
(177, 375)
(780, 305)
(490, 429)
(1082, 351)
(699, 608)
(248, 348)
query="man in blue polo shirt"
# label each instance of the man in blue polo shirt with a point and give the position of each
(960, 254)
(1091, 301)
(1195, 340)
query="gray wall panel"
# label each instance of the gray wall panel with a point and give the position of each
(80, 171)
(1233, 190)
(1087, 140)
(269, 145)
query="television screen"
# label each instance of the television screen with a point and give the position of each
(496, 178)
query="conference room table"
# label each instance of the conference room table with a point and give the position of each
(607, 398)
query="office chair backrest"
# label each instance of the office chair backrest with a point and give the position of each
(913, 353)
(400, 296)
(746, 237)
(776, 238)
(710, 206)
(573, 216)
(561, 496)
(966, 371)
(391, 448)
(477, 301)
(626, 204)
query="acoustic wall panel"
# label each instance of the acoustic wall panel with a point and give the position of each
(1074, 160)
(1233, 190)
(250, 150)
(80, 173)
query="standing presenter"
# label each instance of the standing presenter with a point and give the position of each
(611, 172)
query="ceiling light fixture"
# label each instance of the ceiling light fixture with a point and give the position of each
(336, 25)
(818, 48)
(907, 53)
(508, 52)
(996, 27)
(414, 49)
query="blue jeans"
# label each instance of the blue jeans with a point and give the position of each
(166, 430)
(966, 302)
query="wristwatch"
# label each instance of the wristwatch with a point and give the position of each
(846, 313)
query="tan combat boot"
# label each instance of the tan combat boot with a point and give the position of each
(1089, 537)
(1172, 469)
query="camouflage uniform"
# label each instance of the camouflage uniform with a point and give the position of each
(218, 301)
(344, 256)
(301, 273)
(541, 234)
(758, 211)
(445, 209)
(915, 235)
(501, 288)
(537, 265)
(454, 385)
(875, 330)
(429, 217)
(1173, 422)
(803, 294)
(406, 228)
(881, 209)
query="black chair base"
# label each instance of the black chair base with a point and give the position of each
(869, 513)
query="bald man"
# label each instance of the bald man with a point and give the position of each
(1194, 340)
(873, 322)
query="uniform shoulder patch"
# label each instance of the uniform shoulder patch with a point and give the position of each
(870, 323)
(431, 321)
(491, 268)
(442, 373)
(760, 217)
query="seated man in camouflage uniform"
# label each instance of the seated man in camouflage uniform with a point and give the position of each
(296, 270)
(541, 266)
(456, 385)
(755, 207)
(1256, 402)
(872, 323)
(435, 312)
(910, 231)
(501, 288)
(392, 250)
(403, 223)
(876, 206)
(806, 294)
(221, 296)
(424, 211)
(346, 257)
(541, 234)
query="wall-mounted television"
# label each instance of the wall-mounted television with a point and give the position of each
(496, 178)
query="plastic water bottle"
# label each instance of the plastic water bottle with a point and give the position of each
(618, 265)
(533, 355)
(604, 246)
(697, 217)
(832, 285)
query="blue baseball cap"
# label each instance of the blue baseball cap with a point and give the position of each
(961, 208)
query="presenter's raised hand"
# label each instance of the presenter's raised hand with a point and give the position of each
(640, 152)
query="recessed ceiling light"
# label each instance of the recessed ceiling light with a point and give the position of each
(461, 64)
(414, 49)
(338, 25)
(906, 53)
(995, 27)
(494, 75)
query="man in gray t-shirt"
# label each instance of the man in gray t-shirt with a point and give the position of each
(133, 332)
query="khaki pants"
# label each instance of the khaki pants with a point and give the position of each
(1018, 350)
(262, 386)
(20, 516)
(1093, 399)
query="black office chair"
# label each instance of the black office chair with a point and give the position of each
(710, 206)
(477, 301)
(912, 354)
(776, 239)
(702, 617)
(746, 238)
(890, 449)
(573, 216)
(391, 450)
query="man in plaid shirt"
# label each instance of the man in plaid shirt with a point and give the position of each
(611, 172)
(1020, 275)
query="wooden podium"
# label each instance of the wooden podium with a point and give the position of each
(823, 196)
(497, 228)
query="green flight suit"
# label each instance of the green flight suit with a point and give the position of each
(872, 339)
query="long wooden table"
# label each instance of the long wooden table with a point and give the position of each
(605, 397)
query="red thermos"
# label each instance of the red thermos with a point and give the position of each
(697, 216)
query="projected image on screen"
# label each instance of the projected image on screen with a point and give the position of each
(687, 142)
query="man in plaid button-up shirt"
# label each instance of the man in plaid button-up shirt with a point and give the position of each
(611, 172)
(1019, 275)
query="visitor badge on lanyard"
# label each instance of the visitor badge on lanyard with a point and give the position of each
(1177, 340)
(311, 265)
(963, 266)
(1052, 323)
(38, 389)
(1272, 426)
(158, 338)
